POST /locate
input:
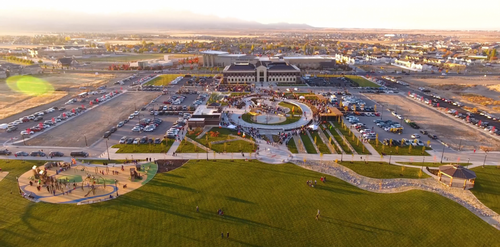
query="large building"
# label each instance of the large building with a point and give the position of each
(262, 71)
(223, 59)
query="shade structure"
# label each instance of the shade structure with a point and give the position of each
(457, 171)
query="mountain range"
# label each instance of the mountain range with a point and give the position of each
(154, 21)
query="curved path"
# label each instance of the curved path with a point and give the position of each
(303, 120)
(273, 154)
(462, 197)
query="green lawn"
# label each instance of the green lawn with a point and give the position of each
(398, 150)
(374, 169)
(323, 148)
(296, 110)
(339, 139)
(487, 186)
(163, 80)
(355, 142)
(264, 205)
(362, 82)
(292, 147)
(188, 147)
(144, 148)
(231, 147)
(308, 144)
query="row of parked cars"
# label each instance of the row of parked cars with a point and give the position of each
(147, 125)
(175, 129)
(139, 140)
(49, 123)
(42, 154)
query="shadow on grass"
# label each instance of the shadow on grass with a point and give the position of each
(241, 242)
(337, 190)
(358, 226)
(173, 175)
(234, 199)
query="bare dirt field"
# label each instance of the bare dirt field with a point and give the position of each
(446, 129)
(13, 102)
(464, 89)
(94, 123)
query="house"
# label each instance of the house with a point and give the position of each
(66, 62)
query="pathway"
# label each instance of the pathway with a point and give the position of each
(462, 197)
(326, 141)
(368, 146)
(334, 140)
(312, 140)
(345, 141)
(299, 144)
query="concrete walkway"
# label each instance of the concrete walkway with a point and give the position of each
(326, 141)
(312, 140)
(345, 141)
(334, 141)
(299, 144)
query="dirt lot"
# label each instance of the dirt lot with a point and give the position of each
(12, 102)
(94, 123)
(462, 88)
(446, 129)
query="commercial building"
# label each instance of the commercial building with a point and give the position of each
(223, 59)
(262, 71)
(204, 115)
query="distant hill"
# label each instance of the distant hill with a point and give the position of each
(63, 21)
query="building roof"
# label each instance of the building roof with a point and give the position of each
(240, 67)
(280, 66)
(457, 171)
(214, 52)
(65, 60)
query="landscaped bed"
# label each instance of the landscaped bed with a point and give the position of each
(144, 148)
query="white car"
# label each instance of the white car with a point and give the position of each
(24, 132)
(136, 113)
(131, 116)
(415, 136)
(136, 129)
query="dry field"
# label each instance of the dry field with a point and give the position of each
(480, 92)
(94, 123)
(446, 129)
(12, 102)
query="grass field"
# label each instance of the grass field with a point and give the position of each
(383, 170)
(308, 144)
(144, 148)
(323, 148)
(101, 161)
(487, 186)
(163, 80)
(231, 147)
(264, 205)
(339, 140)
(356, 144)
(188, 147)
(292, 147)
(397, 150)
(296, 110)
(362, 82)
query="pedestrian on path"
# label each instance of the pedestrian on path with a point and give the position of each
(197, 209)
(227, 234)
(222, 235)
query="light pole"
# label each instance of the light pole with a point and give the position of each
(107, 148)
(484, 162)
(390, 156)
(468, 162)
(442, 155)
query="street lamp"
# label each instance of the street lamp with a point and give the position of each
(390, 156)
(442, 155)
(107, 148)
(484, 162)
(468, 162)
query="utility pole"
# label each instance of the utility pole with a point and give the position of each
(484, 162)
(442, 155)
(107, 148)
(86, 141)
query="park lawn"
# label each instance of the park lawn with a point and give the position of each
(163, 80)
(145, 148)
(296, 110)
(362, 82)
(188, 147)
(431, 164)
(355, 142)
(339, 140)
(397, 150)
(323, 148)
(487, 186)
(264, 205)
(247, 117)
(234, 147)
(383, 170)
(238, 94)
(292, 147)
(308, 144)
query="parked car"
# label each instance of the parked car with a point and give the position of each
(5, 152)
(79, 154)
(106, 134)
(56, 154)
(112, 130)
(22, 153)
(38, 153)
(120, 124)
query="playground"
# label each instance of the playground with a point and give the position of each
(62, 182)
(3, 175)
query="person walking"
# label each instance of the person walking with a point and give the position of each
(197, 209)
(227, 234)
(222, 235)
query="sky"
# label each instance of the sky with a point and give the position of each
(422, 14)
